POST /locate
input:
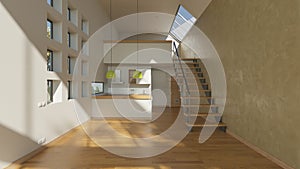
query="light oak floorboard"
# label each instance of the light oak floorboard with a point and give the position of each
(76, 150)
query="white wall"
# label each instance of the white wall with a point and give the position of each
(23, 72)
(149, 53)
(161, 84)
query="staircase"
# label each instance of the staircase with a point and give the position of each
(198, 104)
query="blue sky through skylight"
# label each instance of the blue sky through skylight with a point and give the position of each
(183, 22)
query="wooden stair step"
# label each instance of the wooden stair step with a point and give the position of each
(189, 59)
(200, 90)
(181, 77)
(189, 74)
(193, 63)
(193, 91)
(207, 125)
(196, 97)
(192, 73)
(187, 67)
(204, 114)
(190, 83)
(201, 105)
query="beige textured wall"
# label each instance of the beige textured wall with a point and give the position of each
(259, 44)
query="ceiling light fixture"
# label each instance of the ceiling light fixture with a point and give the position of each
(111, 73)
(137, 74)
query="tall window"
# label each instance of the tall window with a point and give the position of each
(49, 29)
(85, 26)
(182, 23)
(69, 85)
(69, 39)
(69, 65)
(50, 2)
(49, 60)
(50, 91)
(69, 14)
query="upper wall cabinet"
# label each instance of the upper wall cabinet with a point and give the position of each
(150, 52)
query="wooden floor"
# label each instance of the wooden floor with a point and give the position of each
(75, 150)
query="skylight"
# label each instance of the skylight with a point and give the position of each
(182, 24)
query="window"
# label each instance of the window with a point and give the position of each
(54, 29)
(49, 29)
(54, 61)
(69, 85)
(85, 26)
(54, 91)
(72, 15)
(72, 40)
(50, 91)
(49, 60)
(69, 14)
(71, 64)
(50, 2)
(56, 4)
(97, 88)
(84, 48)
(69, 39)
(182, 23)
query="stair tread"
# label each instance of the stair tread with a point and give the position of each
(200, 97)
(192, 77)
(203, 114)
(191, 63)
(201, 105)
(220, 124)
(188, 67)
(190, 83)
(191, 72)
(200, 90)
(190, 59)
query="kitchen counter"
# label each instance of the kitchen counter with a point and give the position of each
(123, 105)
(116, 96)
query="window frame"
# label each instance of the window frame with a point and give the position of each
(51, 2)
(69, 39)
(178, 14)
(69, 13)
(50, 91)
(51, 29)
(69, 64)
(69, 85)
(50, 59)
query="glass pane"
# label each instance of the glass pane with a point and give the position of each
(69, 14)
(69, 65)
(49, 29)
(50, 2)
(69, 89)
(50, 91)
(69, 39)
(49, 60)
(182, 24)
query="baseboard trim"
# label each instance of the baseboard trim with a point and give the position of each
(260, 151)
(16, 164)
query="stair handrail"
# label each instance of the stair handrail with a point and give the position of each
(184, 78)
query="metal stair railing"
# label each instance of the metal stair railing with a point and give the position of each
(184, 88)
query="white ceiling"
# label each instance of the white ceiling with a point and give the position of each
(159, 24)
